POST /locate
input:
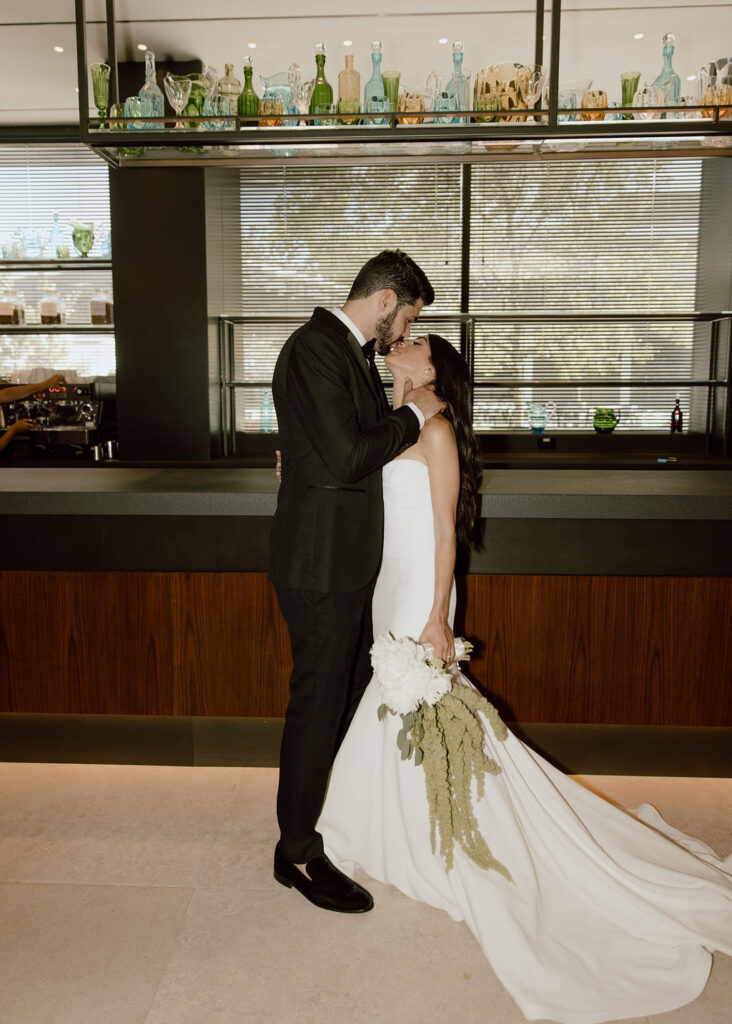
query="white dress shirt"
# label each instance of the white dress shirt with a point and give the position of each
(358, 335)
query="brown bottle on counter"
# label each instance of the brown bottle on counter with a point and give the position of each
(677, 418)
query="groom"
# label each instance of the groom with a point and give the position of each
(336, 432)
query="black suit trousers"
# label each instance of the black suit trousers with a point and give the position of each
(330, 636)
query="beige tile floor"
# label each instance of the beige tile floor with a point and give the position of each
(144, 895)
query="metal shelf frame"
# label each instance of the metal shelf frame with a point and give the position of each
(229, 385)
(101, 136)
(72, 264)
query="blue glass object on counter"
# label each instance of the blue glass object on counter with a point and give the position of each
(374, 88)
(668, 80)
(267, 417)
(538, 417)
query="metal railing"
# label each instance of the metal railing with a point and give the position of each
(467, 322)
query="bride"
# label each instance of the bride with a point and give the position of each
(601, 913)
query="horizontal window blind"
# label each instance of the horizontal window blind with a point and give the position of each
(37, 182)
(306, 232)
(580, 236)
(586, 237)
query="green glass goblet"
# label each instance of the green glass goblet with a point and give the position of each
(82, 236)
(100, 86)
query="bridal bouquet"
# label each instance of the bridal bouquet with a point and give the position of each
(442, 730)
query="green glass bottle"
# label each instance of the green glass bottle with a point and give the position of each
(248, 103)
(322, 93)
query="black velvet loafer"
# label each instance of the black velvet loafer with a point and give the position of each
(327, 887)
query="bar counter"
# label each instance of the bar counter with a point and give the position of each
(137, 622)
(111, 517)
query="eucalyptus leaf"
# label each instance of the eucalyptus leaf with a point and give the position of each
(382, 712)
(418, 755)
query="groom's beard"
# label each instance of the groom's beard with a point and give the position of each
(383, 339)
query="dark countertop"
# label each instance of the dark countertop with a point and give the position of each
(109, 490)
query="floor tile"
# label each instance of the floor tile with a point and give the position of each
(270, 957)
(85, 954)
(112, 824)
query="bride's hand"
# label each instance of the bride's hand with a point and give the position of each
(438, 633)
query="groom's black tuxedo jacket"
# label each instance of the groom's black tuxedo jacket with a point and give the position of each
(327, 532)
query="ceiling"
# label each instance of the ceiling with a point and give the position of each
(38, 85)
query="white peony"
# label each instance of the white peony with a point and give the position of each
(406, 679)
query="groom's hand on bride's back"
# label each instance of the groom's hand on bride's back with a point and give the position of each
(424, 398)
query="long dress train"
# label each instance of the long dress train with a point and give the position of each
(611, 914)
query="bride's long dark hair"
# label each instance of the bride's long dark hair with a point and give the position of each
(454, 386)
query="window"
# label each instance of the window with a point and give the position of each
(620, 238)
(37, 183)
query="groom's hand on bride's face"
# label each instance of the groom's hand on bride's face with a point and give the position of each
(424, 398)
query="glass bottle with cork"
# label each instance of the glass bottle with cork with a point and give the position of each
(248, 103)
(322, 94)
(349, 91)
(677, 418)
(374, 88)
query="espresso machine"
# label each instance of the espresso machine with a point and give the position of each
(67, 418)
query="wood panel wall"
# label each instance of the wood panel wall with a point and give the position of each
(587, 649)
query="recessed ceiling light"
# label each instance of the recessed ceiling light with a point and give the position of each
(348, 42)
(141, 46)
(638, 35)
(252, 46)
(76, 88)
(58, 49)
(442, 41)
(691, 78)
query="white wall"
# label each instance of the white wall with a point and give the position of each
(38, 85)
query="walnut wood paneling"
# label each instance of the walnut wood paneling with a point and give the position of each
(85, 643)
(231, 649)
(586, 649)
(603, 649)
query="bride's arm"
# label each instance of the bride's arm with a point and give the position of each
(440, 451)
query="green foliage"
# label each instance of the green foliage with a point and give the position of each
(447, 740)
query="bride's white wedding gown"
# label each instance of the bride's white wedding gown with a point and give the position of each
(613, 914)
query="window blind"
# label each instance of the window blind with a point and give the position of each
(37, 182)
(586, 237)
(577, 236)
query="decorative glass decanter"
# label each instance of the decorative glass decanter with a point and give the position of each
(151, 95)
(349, 91)
(248, 102)
(459, 85)
(229, 87)
(374, 89)
(322, 94)
(668, 80)
(56, 239)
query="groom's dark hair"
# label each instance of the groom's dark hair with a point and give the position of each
(393, 269)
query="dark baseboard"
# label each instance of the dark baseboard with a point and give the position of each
(255, 742)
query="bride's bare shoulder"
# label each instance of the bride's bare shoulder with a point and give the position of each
(437, 436)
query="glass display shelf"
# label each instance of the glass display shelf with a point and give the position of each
(73, 263)
(56, 328)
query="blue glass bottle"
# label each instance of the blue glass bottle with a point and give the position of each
(668, 80)
(456, 86)
(374, 88)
